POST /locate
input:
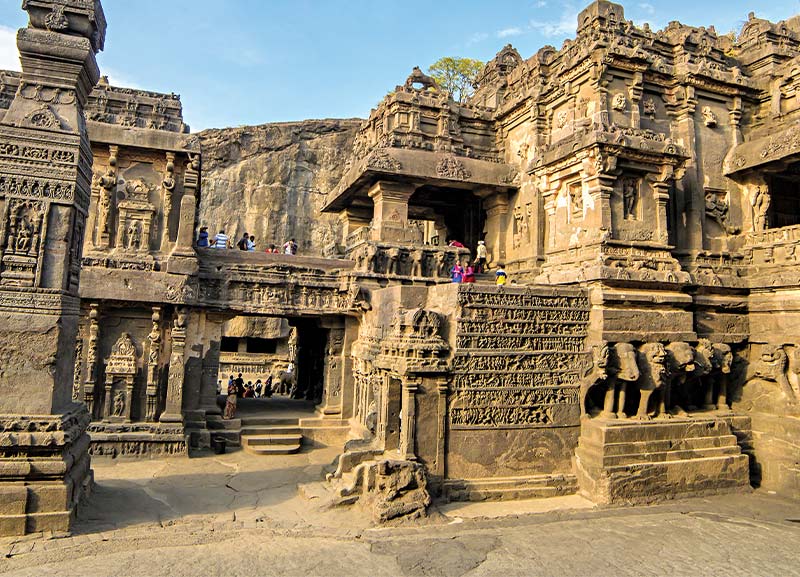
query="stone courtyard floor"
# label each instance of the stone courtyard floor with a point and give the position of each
(239, 514)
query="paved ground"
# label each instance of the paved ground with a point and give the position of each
(239, 514)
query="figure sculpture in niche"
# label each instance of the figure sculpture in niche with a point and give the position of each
(709, 118)
(24, 236)
(134, 235)
(630, 193)
(119, 404)
(717, 210)
(761, 202)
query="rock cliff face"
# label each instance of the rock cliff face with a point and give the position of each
(271, 180)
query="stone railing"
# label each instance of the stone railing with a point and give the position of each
(412, 261)
(786, 234)
(358, 236)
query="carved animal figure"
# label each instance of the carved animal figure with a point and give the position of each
(598, 376)
(627, 373)
(681, 365)
(772, 366)
(652, 362)
(703, 367)
(287, 383)
(716, 383)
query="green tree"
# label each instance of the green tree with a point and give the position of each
(456, 75)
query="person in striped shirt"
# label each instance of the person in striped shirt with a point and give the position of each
(221, 240)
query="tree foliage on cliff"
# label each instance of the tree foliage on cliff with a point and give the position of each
(456, 75)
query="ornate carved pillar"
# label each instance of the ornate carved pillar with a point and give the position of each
(390, 216)
(177, 370)
(408, 418)
(439, 467)
(46, 173)
(691, 199)
(635, 89)
(108, 188)
(183, 258)
(496, 207)
(153, 356)
(332, 371)
(91, 358)
(168, 184)
(661, 186)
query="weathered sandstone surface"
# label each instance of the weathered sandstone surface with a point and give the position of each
(271, 180)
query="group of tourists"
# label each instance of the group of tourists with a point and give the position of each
(246, 243)
(466, 273)
(237, 389)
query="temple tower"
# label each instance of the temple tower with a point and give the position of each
(45, 175)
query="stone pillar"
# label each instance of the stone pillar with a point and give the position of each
(91, 358)
(439, 469)
(183, 258)
(168, 184)
(177, 370)
(691, 197)
(408, 419)
(353, 219)
(153, 359)
(213, 337)
(390, 216)
(661, 185)
(333, 369)
(107, 200)
(496, 207)
(45, 471)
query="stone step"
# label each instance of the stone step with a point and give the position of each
(270, 430)
(231, 437)
(632, 431)
(271, 449)
(224, 424)
(269, 421)
(509, 488)
(659, 446)
(272, 440)
(655, 457)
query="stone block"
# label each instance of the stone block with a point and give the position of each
(645, 462)
(13, 499)
(12, 525)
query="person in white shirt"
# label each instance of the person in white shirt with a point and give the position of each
(220, 241)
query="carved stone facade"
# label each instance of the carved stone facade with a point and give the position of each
(638, 187)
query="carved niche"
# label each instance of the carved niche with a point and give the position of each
(22, 242)
(120, 379)
(135, 218)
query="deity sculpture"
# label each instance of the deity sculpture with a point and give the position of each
(119, 404)
(134, 235)
(23, 236)
(629, 198)
(761, 202)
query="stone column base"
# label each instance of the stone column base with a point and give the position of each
(636, 462)
(45, 471)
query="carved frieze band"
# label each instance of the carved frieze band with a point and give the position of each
(519, 358)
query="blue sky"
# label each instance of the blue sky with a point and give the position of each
(237, 62)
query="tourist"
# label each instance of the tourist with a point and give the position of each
(290, 247)
(454, 243)
(202, 237)
(242, 244)
(268, 387)
(500, 275)
(230, 402)
(221, 240)
(239, 384)
(457, 272)
(259, 387)
(469, 274)
(480, 257)
(251, 244)
(219, 387)
(273, 249)
(249, 393)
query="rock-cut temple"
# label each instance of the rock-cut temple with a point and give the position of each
(641, 189)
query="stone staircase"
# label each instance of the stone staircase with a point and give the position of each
(271, 436)
(633, 462)
(509, 488)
